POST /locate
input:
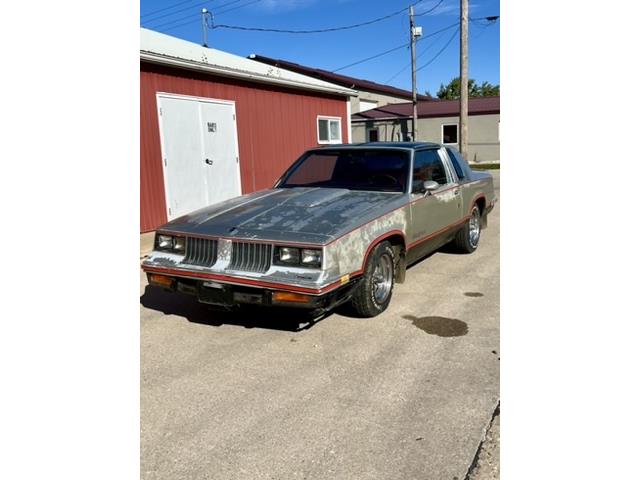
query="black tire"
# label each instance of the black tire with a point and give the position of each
(468, 238)
(373, 295)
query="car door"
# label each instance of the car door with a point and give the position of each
(434, 215)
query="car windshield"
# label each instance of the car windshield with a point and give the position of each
(357, 169)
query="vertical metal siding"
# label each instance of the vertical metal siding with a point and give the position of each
(275, 125)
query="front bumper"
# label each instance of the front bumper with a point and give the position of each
(229, 295)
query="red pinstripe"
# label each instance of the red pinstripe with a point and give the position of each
(312, 291)
(240, 281)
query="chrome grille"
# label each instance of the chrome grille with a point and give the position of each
(200, 251)
(251, 257)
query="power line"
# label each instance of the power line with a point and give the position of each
(170, 7)
(427, 49)
(190, 22)
(440, 51)
(417, 57)
(165, 8)
(322, 30)
(483, 22)
(372, 57)
(429, 11)
(235, 8)
(179, 11)
(395, 48)
(192, 19)
(188, 8)
(474, 35)
(181, 24)
(449, 42)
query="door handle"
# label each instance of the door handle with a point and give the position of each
(208, 162)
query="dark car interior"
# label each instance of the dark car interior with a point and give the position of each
(374, 170)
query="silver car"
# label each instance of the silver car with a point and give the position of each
(341, 225)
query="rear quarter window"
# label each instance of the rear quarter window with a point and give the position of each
(456, 162)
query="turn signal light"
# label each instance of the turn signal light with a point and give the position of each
(160, 280)
(291, 297)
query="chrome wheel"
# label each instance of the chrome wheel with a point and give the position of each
(474, 228)
(382, 278)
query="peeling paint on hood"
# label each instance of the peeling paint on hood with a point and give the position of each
(302, 214)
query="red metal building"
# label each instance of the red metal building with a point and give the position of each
(214, 125)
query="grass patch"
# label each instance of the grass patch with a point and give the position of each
(485, 166)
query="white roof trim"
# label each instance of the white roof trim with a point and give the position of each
(379, 118)
(167, 50)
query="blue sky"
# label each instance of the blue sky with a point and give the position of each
(331, 51)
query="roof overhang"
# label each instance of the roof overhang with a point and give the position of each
(348, 82)
(232, 73)
(385, 119)
(162, 49)
(408, 117)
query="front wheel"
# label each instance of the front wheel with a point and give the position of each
(468, 238)
(373, 295)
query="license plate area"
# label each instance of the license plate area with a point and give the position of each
(252, 298)
(214, 294)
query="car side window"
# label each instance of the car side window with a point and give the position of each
(427, 166)
(455, 161)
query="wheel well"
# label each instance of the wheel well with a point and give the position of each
(399, 248)
(482, 203)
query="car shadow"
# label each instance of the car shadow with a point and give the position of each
(188, 307)
(447, 249)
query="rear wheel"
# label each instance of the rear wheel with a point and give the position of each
(373, 295)
(468, 238)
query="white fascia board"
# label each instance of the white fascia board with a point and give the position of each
(357, 120)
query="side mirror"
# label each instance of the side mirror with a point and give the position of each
(430, 186)
(424, 187)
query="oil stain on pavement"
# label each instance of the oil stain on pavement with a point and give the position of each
(440, 326)
(474, 294)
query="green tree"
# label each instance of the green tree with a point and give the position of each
(451, 91)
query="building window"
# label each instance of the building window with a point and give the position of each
(450, 133)
(329, 130)
(373, 135)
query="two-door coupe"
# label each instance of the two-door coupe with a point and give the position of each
(341, 224)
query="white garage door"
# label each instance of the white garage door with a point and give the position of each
(200, 152)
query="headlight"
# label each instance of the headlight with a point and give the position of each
(291, 256)
(164, 242)
(178, 244)
(313, 258)
(169, 243)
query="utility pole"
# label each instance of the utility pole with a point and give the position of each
(464, 76)
(205, 27)
(412, 33)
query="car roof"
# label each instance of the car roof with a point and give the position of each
(390, 145)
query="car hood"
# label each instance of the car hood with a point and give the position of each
(307, 215)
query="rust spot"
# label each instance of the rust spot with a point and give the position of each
(440, 326)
